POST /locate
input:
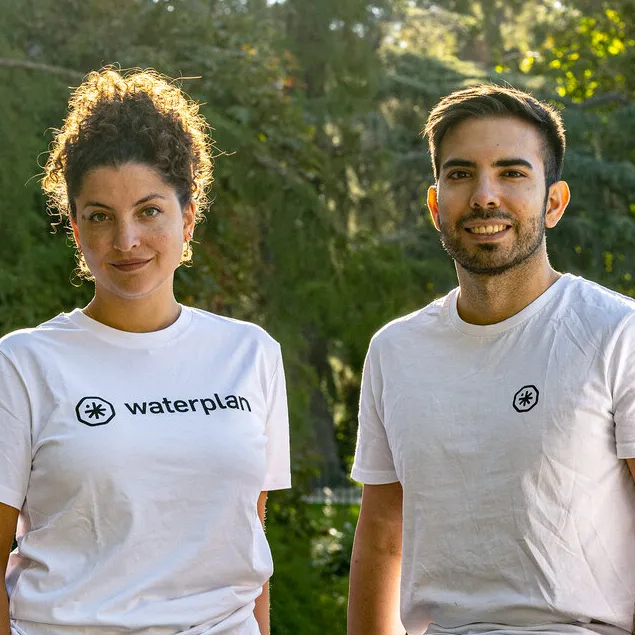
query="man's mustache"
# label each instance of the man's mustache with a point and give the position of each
(486, 215)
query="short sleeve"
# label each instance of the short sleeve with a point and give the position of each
(278, 474)
(373, 463)
(15, 435)
(622, 379)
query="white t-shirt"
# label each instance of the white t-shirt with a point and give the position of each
(137, 460)
(518, 514)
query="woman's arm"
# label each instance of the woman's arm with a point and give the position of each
(8, 522)
(261, 610)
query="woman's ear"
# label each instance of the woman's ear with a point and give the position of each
(75, 231)
(189, 220)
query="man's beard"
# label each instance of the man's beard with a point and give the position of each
(493, 259)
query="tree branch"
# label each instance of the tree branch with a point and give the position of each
(43, 68)
(599, 100)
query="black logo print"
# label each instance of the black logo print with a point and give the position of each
(526, 398)
(94, 411)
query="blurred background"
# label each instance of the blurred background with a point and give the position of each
(319, 230)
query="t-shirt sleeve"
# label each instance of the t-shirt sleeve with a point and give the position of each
(622, 378)
(15, 435)
(373, 463)
(278, 474)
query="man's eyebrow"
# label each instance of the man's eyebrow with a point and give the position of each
(458, 163)
(507, 163)
(501, 163)
(141, 201)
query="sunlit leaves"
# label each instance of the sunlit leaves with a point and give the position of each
(586, 48)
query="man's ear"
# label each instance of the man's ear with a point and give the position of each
(557, 200)
(433, 205)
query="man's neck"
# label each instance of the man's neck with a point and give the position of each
(487, 299)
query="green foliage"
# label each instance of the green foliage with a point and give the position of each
(319, 229)
(309, 588)
(590, 53)
(35, 265)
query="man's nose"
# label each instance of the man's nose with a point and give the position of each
(485, 194)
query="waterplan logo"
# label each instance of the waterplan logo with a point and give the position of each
(526, 398)
(94, 411)
(206, 405)
(97, 411)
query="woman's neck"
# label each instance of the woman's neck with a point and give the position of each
(142, 315)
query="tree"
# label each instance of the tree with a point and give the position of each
(319, 230)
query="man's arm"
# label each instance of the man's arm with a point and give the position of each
(631, 467)
(373, 601)
(8, 522)
(261, 610)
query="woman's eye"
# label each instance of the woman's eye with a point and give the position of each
(98, 217)
(151, 212)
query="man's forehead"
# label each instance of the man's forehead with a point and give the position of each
(489, 140)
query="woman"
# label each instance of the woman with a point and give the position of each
(138, 437)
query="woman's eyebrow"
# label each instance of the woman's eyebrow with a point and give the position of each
(145, 199)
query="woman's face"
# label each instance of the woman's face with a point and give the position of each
(131, 228)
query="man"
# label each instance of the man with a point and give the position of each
(494, 422)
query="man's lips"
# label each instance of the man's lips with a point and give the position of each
(485, 231)
(130, 265)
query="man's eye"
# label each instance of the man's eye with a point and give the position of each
(98, 217)
(514, 174)
(458, 174)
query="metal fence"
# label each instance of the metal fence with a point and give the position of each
(333, 486)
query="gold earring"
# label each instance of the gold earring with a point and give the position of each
(187, 251)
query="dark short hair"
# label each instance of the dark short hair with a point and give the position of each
(490, 100)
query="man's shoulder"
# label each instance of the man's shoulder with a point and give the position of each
(418, 322)
(599, 318)
(598, 302)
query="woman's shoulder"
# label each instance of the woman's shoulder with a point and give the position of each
(231, 327)
(31, 337)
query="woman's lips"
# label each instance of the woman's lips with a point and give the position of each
(130, 265)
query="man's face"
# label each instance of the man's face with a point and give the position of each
(490, 200)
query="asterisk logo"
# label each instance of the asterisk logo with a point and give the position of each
(525, 399)
(94, 411)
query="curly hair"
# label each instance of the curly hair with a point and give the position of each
(121, 117)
